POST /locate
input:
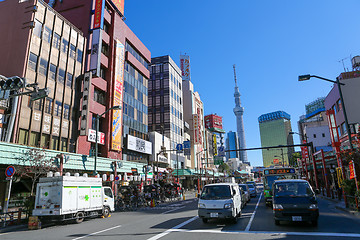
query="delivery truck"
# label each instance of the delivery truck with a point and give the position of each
(63, 198)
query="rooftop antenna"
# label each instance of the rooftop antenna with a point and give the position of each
(342, 60)
(235, 75)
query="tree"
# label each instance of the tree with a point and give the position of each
(224, 167)
(34, 164)
(294, 157)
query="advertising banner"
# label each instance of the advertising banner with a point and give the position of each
(199, 126)
(118, 96)
(95, 52)
(139, 145)
(196, 129)
(185, 67)
(119, 5)
(351, 168)
(99, 14)
(92, 136)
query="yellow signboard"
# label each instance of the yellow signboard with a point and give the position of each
(339, 175)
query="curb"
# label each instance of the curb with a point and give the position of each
(12, 228)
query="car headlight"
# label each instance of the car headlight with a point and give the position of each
(228, 205)
(201, 205)
(313, 206)
(278, 207)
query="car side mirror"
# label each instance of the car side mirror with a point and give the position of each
(234, 192)
(317, 191)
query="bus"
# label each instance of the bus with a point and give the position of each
(272, 174)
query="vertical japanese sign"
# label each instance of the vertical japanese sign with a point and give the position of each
(119, 5)
(199, 126)
(185, 67)
(195, 128)
(99, 14)
(118, 96)
(352, 170)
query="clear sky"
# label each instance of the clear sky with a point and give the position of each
(271, 43)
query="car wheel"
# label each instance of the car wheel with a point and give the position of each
(205, 220)
(277, 222)
(106, 212)
(314, 223)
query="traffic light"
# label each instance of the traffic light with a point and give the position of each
(12, 83)
(41, 93)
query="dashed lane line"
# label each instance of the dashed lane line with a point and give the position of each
(92, 234)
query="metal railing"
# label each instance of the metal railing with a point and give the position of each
(13, 217)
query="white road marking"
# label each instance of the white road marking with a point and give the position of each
(92, 234)
(174, 228)
(172, 210)
(321, 234)
(253, 215)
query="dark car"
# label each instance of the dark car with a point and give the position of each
(246, 194)
(295, 201)
(252, 189)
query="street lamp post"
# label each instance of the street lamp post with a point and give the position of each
(97, 131)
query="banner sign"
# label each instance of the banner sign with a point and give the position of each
(352, 171)
(139, 145)
(92, 136)
(196, 129)
(99, 14)
(339, 175)
(215, 149)
(185, 67)
(118, 96)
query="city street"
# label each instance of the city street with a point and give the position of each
(178, 220)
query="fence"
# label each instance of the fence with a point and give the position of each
(352, 202)
(13, 217)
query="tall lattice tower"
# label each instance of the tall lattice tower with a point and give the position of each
(239, 111)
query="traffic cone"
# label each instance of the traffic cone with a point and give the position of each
(152, 204)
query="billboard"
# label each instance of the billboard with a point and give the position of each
(196, 129)
(92, 136)
(99, 14)
(185, 67)
(139, 145)
(118, 96)
(119, 5)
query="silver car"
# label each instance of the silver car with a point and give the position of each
(246, 194)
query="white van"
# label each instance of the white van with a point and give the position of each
(220, 201)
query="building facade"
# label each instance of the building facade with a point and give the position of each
(232, 143)
(166, 103)
(118, 63)
(274, 130)
(47, 50)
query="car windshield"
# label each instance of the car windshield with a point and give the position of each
(271, 179)
(216, 192)
(251, 185)
(243, 187)
(293, 189)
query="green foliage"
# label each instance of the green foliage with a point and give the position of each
(349, 186)
(223, 167)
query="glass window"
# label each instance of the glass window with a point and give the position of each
(63, 144)
(38, 104)
(58, 108)
(23, 136)
(66, 111)
(48, 105)
(56, 41)
(140, 96)
(72, 51)
(33, 61)
(105, 49)
(43, 66)
(55, 143)
(79, 55)
(61, 76)
(47, 34)
(52, 72)
(65, 45)
(37, 28)
(103, 73)
(99, 96)
(34, 139)
(139, 116)
(45, 141)
(69, 80)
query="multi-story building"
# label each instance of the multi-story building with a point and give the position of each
(118, 63)
(351, 98)
(193, 114)
(313, 127)
(232, 143)
(214, 124)
(46, 49)
(166, 103)
(274, 130)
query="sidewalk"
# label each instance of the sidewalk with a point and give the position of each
(339, 205)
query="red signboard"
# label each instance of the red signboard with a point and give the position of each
(98, 13)
(304, 151)
(213, 121)
(351, 168)
(276, 161)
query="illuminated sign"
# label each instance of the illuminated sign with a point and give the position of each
(279, 171)
(118, 96)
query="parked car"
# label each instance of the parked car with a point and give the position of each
(252, 189)
(294, 200)
(220, 201)
(245, 194)
(255, 185)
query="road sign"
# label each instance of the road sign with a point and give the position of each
(179, 148)
(117, 178)
(187, 151)
(160, 174)
(221, 151)
(187, 144)
(10, 171)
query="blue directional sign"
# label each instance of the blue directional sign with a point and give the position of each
(179, 147)
(187, 144)
(221, 151)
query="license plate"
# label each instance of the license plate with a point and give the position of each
(214, 215)
(297, 218)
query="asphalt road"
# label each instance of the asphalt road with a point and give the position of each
(175, 221)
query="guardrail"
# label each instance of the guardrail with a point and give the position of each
(13, 217)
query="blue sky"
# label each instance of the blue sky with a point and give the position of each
(271, 43)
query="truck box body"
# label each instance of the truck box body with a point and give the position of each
(67, 195)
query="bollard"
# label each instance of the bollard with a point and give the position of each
(19, 215)
(184, 197)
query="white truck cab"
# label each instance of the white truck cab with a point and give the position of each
(220, 201)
